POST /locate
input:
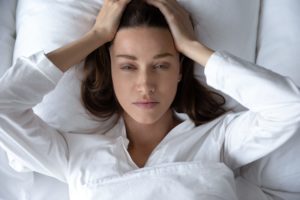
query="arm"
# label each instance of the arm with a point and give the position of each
(182, 31)
(75, 52)
(103, 31)
(23, 134)
(273, 102)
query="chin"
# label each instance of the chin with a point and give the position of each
(146, 118)
(146, 121)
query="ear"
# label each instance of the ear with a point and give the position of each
(181, 57)
(179, 77)
(180, 73)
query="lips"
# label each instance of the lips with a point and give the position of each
(146, 104)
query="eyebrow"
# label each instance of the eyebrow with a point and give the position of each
(154, 57)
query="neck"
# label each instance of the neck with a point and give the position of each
(149, 135)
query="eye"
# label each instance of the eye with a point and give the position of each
(161, 66)
(128, 67)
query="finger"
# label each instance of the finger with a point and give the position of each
(119, 5)
(164, 7)
(125, 1)
(175, 9)
(176, 6)
(118, 2)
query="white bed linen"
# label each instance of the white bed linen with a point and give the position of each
(13, 185)
(278, 49)
(278, 42)
(7, 33)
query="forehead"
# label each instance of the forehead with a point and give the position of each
(140, 40)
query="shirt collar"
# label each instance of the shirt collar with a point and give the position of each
(186, 125)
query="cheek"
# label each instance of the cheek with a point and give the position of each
(121, 87)
(169, 87)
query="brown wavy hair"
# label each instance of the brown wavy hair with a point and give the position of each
(192, 98)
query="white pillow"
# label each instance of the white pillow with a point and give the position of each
(278, 49)
(13, 185)
(278, 174)
(7, 33)
(48, 24)
(278, 44)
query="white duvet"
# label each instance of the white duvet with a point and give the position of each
(174, 181)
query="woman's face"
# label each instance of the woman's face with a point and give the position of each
(145, 72)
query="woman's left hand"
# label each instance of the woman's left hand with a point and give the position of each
(179, 22)
(182, 30)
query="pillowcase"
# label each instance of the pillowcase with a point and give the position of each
(13, 185)
(277, 174)
(231, 26)
(57, 23)
(7, 33)
(278, 43)
(278, 47)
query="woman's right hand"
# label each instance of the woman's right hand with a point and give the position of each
(108, 19)
(103, 31)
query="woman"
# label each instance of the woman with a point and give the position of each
(153, 151)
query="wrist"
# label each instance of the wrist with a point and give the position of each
(198, 52)
(96, 37)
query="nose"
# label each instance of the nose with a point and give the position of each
(145, 83)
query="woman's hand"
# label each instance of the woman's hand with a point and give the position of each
(182, 30)
(179, 21)
(103, 31)
(108, 19)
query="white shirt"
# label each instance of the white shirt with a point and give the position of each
(190, 162)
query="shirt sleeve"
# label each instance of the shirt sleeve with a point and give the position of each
(273, 103)
(22, 133)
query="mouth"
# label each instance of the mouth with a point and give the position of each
(146, 104)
